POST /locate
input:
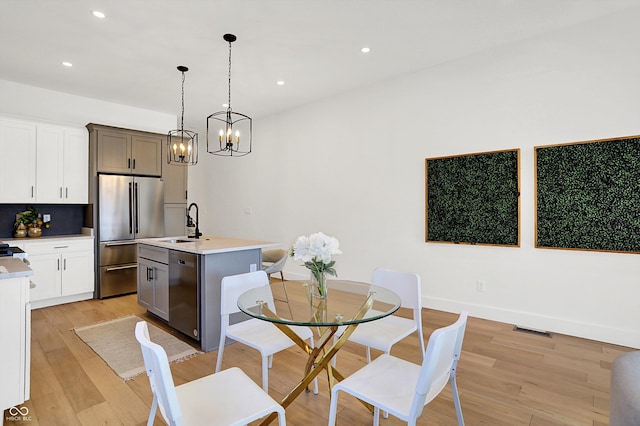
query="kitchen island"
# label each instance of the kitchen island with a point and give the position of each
(179, 280)
(15, 332)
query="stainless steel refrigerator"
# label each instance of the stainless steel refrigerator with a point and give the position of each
(129, 207)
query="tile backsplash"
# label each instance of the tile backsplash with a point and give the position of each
(66, 219)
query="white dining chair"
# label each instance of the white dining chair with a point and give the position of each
(403, 388)
(226, 398)
(260, 335)
(384, 333)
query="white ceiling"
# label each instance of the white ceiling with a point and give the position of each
(313, 45)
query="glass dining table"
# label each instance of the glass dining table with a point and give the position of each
(347, 304)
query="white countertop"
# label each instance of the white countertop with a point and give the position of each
(14, 241)
(15, 268)
(207, 244)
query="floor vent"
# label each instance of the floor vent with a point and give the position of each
(532, 331)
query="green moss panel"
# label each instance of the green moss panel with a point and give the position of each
(473, 198)
(588, 195)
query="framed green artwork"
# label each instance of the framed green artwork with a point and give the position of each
(588, 195)
(473, 198)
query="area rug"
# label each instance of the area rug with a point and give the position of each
(116, 344)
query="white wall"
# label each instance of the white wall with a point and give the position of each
(353, 167)
(48, 105)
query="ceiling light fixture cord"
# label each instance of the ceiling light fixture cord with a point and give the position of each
(182, 114)
(229, 104)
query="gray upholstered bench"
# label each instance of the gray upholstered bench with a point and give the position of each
(625, 390)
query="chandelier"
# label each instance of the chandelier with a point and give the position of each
(182, 145)
(232, 129)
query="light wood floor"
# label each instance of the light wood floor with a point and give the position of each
(505, 377)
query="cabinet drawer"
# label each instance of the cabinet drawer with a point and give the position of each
(113, 253)
(116, 280)
(58, 245)
(156, 254)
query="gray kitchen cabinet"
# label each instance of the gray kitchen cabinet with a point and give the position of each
(153, 280)
(175, 182)
(124, 151)
(175, 220)
(175, 197)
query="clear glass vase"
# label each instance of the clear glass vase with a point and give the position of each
(318, 284)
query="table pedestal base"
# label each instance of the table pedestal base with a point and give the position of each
(319, 357)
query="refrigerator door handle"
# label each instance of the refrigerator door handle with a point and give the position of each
(130, 208)
(120, 268)
(136, 196)
(119, 243)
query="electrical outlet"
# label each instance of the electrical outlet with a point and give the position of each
(253, 267)
(248, 210)
(46, 218)
(481, 286)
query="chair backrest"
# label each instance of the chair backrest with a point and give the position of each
(277, 258)
(234, 285)
(441, 358)
(406, 285)
(157, 367)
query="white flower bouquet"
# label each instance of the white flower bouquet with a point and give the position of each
(315, 251)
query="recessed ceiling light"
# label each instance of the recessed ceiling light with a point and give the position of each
(99, 14)
(365, 50)
(67, 64)
(280, 82)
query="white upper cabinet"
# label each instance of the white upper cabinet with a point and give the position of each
(51, 164)
(17, 161)
(62, 159)
(76, 166)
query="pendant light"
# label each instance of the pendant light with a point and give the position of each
(232, 130)
(182, 145)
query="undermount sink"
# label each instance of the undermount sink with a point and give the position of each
(177, 241)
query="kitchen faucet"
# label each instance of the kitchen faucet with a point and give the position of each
(198, 233)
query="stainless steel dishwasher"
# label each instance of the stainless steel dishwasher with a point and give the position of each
(184, 295)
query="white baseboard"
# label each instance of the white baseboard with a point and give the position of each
(36, 304)
(616, 336)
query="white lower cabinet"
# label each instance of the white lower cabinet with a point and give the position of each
(62, 270)
(15, 335)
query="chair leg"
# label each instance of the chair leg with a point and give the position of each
(376, 416)
(286, 295)
(456, 398)
(315, 381)
(281, 418)
(152, 412)
(368, 355)
(265, 373)
(220, 353)
(333, 407)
